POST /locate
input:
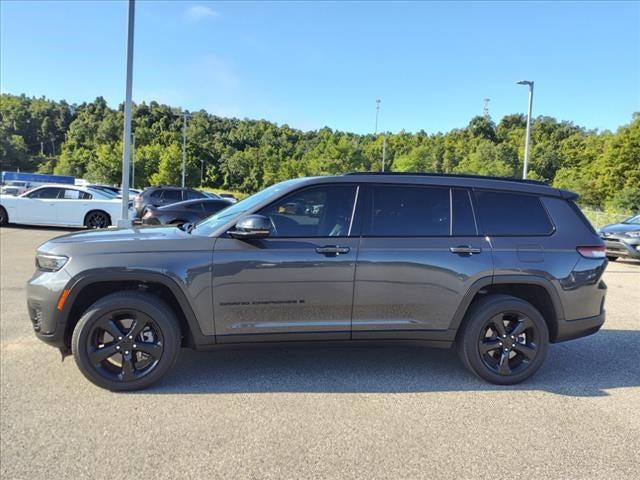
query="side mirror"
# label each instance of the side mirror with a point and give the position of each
(252, 226)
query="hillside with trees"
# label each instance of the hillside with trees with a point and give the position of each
(37, 134)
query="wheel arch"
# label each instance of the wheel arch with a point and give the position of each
(532, 288)
(87, 288)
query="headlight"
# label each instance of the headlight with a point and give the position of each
(633, 234)
(50, 263)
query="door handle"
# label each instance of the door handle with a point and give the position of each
(465, 250)
(332, 250)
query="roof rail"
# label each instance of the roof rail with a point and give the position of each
(452, 175)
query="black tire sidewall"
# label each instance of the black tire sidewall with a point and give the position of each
(138, 301)
(4, 217)
(94, 212)
(468, 339)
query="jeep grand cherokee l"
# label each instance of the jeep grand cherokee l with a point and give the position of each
(497, 268)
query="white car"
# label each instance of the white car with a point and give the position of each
(61, 205)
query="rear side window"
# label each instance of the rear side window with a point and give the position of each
(155, 194)
(463, 224)
(408, 211)
(193, 195)
(512, 214)
(172, 196)
(70, 194)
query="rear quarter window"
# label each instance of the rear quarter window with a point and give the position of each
(512, 214)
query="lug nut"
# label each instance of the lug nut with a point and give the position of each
(117, 347)
(500, 343)
(119, 338)
(130, 337)
(135, 346)
(126, 352)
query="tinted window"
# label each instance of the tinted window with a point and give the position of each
(172, 196)
(463, 223)
(193, 195)
(314, 212)
(407, 211)
(213, 207)
(45, 193)
(156, 194)
(503, 213)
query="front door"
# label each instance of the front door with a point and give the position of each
(297, 283)
(419, 254)
(39, 206)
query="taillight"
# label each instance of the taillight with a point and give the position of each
(592, 252)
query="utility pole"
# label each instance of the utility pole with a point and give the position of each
(528, 134)
(126, 154)
(184, 147)
(53, 148)
(485, 110)
(377, 112)
(201, 171)
(41, 148)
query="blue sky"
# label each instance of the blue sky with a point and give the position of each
(314, 64)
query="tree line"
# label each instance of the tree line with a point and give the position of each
(42, 135)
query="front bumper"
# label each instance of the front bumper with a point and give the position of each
(43, 293)
(622, 247)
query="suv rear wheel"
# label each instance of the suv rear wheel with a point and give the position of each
(126, 341)
(503, 339)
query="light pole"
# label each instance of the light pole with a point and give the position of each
(184, 148)
(528, 135)
(126, 154)
(133, 160)
(377, 112)
(201, 171)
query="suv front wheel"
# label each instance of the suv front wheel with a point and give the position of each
(503, 339)
(126, 341)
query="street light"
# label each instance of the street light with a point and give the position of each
(126, 154)
(526, 141)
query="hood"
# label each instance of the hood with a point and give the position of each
(620, 228)
(126, 240)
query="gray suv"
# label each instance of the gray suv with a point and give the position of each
(497, 268)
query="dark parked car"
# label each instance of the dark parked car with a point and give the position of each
(622, 239)
(446, 260)
(160, 196)
(191, 211)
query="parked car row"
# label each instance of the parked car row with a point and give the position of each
(100, 206)
(622, 240)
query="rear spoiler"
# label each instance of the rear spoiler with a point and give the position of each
(568, 195)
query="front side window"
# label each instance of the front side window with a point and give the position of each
(45, 193)
(193, 195)
(512, 214)
(323, 211)
(409, 211)
(213, 207)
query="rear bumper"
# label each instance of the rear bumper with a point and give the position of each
(581, 327)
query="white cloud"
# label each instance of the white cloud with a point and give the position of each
(199, 12)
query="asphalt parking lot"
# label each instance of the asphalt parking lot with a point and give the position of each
(322, 412)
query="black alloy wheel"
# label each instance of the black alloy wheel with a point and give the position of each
(508, 343)
(97, 220)
(125, 345)
(503, 339)
(127, 340)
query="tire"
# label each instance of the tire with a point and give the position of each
(147, 356)
(491, 352)
(611, 258)
(97, 219)
(4, 218)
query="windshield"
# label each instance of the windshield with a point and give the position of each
(633, 220)
(214, 221)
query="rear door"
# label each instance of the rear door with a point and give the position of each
(71, 206)
(420, 252)
(296, 283)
